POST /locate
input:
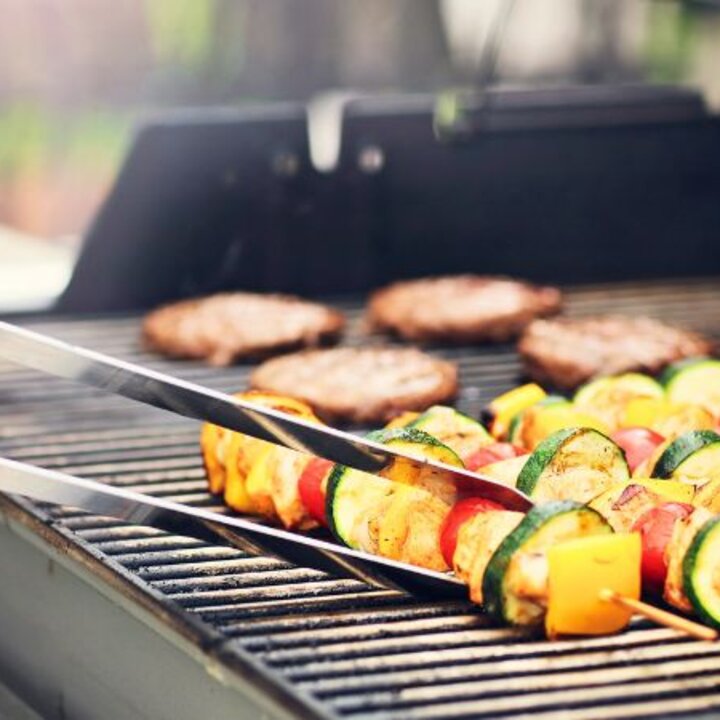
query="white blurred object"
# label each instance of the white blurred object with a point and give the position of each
(546, 38)
(33, 272)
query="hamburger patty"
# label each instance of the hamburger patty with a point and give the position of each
(222, 328)
(462, 308)
(363, 385)
(566, 352)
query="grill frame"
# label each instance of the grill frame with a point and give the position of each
(377, 653)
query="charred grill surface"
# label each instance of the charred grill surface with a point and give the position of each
(335, 646)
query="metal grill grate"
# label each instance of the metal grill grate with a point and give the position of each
(340, 647)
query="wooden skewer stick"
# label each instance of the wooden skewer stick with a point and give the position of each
(661, 617)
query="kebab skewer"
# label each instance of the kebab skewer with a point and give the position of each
(401, 514)
(387, 529)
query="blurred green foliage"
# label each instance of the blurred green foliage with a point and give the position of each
(182, 31)
(33, 137)
(671, 40)
(66, 114)
(36, 135)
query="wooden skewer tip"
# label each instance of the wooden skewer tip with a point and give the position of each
(661, 617)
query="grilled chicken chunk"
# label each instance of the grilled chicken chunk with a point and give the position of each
(683, 533)
(477, 541)
(410, 528)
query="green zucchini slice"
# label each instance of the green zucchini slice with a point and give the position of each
(701, 572)
(573, 464)
(417, 443)
(458, 431)
(515, 429)
(517, 424)
(692, 456)
(695, 381)
(627, 384)
(514, 586)
(354, 503)
(607, 397)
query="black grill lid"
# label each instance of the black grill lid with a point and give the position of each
(561, 185)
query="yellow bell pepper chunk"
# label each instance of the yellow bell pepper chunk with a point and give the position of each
(667, 418)
(666, 490)
(402, 420)
(236, 495)
(578, 570)
(506, 406)
(550, 419)
(644, 412)
(258, 482)
(210, 441)
(283, 403)
(228, 456)
(669, 490)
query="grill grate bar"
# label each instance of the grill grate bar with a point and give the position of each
(188, 460)
(519, 684)
(146, 559)
(97, 414)
(480, 667)
(243, 565)
(336, 665)
(359, 631)
(113, 532)
(159, 477)
(588, 697)
(88, 523)
(322, 603)
(180, 586)
(108, 458)
(287, 592)
(171, 490)
(672, 707)
(292, 630)
(109, 436)
(45, 453)
(156, 543)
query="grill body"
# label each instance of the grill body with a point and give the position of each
(99, 614)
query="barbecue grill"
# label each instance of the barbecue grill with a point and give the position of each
(105, 619)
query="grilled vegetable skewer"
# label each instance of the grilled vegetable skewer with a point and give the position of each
(405, 515)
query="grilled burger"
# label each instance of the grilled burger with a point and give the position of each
(565, 352)
(360, 384)
(225, 327)
(462, 308)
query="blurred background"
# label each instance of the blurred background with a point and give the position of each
(76, 75)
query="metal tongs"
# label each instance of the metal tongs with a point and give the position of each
(163, 391)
